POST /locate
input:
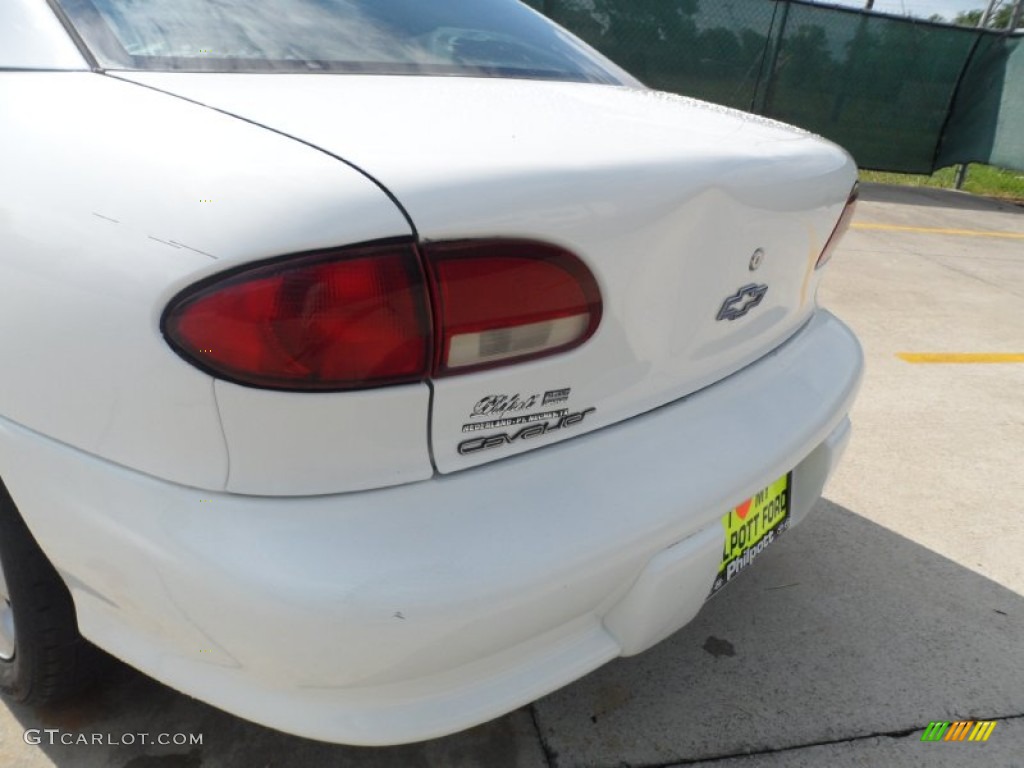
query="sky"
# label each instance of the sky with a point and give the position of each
(922, 8)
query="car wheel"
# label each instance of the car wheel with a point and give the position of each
(43, 659)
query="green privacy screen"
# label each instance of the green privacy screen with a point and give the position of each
(899, 94)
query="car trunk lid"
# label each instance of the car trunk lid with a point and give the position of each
(702, 225)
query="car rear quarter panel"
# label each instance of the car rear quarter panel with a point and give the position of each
(115, 197)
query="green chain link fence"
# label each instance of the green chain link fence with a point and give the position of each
(899, 94)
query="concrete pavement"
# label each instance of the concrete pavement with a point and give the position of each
(900, 601)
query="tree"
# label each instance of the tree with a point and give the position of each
(968, 18)
(1000, 19)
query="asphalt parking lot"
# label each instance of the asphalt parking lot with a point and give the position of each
(899, 602)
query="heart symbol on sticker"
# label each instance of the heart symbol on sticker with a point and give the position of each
(743, 509)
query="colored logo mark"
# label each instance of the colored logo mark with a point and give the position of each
(962, 730)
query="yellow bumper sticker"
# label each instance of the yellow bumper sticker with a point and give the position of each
(751, 527)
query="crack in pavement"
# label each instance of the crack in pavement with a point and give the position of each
(900, 734)
(552, 755)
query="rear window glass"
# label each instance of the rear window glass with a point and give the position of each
(499, 38)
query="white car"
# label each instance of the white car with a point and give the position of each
(375, 367)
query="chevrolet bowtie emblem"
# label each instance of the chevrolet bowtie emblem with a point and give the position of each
(741, 302)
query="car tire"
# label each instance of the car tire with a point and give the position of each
(43, 659)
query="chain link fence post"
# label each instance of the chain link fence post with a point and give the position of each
(772, 72)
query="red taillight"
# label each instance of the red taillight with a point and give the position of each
(323, 321)
(361, 317)
(497, 302)
(844, 224)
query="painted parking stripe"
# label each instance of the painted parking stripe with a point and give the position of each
(961, 357)
(938, 231)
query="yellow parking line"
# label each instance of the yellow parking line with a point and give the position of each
(939, 231)
(960, 357)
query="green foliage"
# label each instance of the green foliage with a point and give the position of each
(968, 18)
(1000, 19)
(981, 180)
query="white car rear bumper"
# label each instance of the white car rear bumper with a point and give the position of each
(406, 613)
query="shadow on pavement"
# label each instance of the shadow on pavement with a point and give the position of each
(845, 630)
(935, 198)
